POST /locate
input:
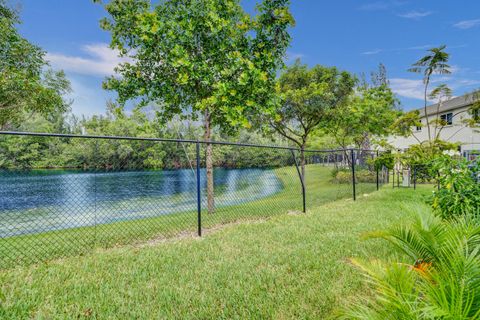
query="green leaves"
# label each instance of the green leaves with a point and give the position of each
(306, 98)
(459, 192)
(441, 278)
(198, 55)
(369, 112)
(405, 123)
(440, 281)
(434, 62)
(24, 85)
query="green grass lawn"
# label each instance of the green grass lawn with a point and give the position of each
(22, 250)
(292, 266)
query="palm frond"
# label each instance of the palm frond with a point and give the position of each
(415, 70)
(447, 287)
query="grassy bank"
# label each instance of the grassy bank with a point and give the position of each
(289, 267)
(76, 241)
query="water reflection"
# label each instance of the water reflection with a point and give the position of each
(38, 201)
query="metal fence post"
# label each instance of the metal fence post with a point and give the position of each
(378, 182)
(414, 178)
(301, 181)
(95, 221)
(398, 179)
(199, 199)
(352, 153)
(393, 177)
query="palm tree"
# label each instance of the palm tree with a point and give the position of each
(433, 63)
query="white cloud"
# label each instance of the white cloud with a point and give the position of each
(455, 69)
(407, 88)
(467, 24)
(381, 5)
(100, 60)
(414, 89)
(88, 96)
(415, 14)
(292, 56)
(423, 47)
(467, 82)
(375, 51)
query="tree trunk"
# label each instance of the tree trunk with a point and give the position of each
(209, 164)
(364, 148)
(425, 110)
(347, 157)
(302, 162)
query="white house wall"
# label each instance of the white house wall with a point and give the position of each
(456, 133)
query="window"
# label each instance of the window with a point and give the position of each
(420, 127)
(448, 118)
(476, 115)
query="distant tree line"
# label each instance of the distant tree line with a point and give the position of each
(53, 152)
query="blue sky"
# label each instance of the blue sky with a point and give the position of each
(352, 35)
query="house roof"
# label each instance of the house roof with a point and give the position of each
(452, 104)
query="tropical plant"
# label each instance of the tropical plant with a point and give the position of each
(435, 62)
(458, 187)
(206, 58)
(440, 280)
(441, 94)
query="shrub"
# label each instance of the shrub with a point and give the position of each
(365, 176)
(342, 176)
(384, 159)
(441, 279)
(361, 176)
(336, 170)
(459, 188)
(423, 173)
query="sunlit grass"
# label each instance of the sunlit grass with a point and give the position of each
(287, 267)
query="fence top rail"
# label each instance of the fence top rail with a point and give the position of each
(76, 136)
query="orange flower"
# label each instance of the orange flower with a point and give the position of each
(422, 266)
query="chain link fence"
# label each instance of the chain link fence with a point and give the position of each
(63, 195)
(411, 176)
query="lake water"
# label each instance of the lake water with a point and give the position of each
(44, 200)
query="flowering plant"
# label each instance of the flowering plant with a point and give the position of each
(458, 187)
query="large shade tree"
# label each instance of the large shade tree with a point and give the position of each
(27, 86)
(306, 96)
(205, 58)
(368, 114)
